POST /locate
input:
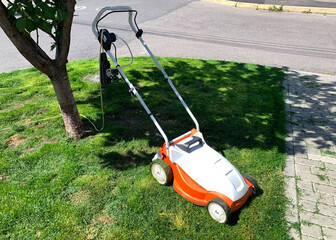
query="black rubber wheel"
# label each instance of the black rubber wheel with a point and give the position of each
(162, 172)
(254, 184)
(219, 210)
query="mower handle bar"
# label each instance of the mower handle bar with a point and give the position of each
(114, 9)
(134, 27)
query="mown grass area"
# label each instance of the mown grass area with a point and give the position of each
(100, 187)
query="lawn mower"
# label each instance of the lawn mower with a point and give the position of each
(198, 172)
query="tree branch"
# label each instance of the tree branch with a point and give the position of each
(63, 44)
(25, 44)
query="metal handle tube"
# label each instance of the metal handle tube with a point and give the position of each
(111, 9)
(184, 104)
(170, 83)
(135, 92)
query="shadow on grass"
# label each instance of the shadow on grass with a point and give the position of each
(236, 214)
(237, 105)
(123, 162)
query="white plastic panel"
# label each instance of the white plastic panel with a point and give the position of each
(211, 170)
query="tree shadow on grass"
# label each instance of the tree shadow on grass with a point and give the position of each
(237, 105)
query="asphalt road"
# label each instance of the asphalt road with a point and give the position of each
(205, 30)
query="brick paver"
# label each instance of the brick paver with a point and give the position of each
(310, 172)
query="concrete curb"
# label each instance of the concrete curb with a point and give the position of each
(268, 6)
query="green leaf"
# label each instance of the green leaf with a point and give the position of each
(21, 24)
(30, 26)
(47, 27)
(49, 13)
(11, 11)
(36, 20)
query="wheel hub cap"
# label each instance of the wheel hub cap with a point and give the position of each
(217, 212)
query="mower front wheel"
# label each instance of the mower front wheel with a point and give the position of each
(162, 172)
(254, 184)
(219, 210)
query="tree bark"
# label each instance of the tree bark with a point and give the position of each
(63, 44)
(66, 101)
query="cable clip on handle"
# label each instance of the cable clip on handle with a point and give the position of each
(107, 38)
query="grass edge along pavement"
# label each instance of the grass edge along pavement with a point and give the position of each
(101, 186)
(257, 6)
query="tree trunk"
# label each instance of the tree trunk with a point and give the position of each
(55, 69)
(66, 101)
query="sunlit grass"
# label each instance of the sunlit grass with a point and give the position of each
(100, 187)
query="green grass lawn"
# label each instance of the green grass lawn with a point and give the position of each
(100, 187)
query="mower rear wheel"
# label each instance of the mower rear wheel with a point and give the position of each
(219, 210)
(162, 172)
(254, 184)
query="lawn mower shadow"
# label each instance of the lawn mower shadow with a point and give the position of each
(122, 162)
(236, 214)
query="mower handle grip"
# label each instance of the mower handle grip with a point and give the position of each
(190, 144)
(114, 9)
(194, 140)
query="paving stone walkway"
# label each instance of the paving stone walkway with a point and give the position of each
(310, 172)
